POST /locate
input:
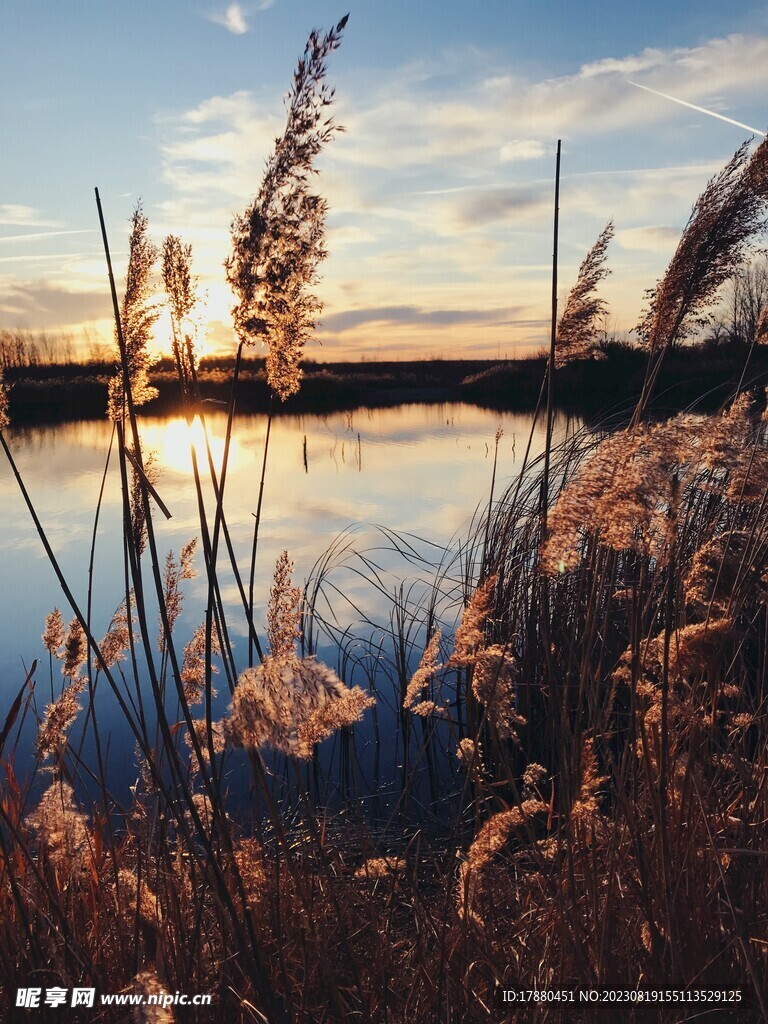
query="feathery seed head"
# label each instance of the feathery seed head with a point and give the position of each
(284, 610)
(493, 683)
(53, 637)
(291, 704)
(470, 635)
(58, 717)
(147, 983)
(4, 416)
(424, 674)
(75, 649)
(577, 329)
(724, 220)
(279, 241)
(137, 318)
(61, 828)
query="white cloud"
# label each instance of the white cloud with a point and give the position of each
(36, 235)
(17, 215)
(431, 191)
(233, 19)
(522, 149)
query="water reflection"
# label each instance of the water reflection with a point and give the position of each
(421, 469)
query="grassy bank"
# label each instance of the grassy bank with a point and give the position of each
(696, 373)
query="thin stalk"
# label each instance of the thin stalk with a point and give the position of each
(256, 525)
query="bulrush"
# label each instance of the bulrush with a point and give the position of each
(279, 241)
(577, 330)
(288, 702)
(137, 318)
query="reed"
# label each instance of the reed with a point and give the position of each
(572, 699)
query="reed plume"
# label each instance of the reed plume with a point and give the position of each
(494, 682)
(288, 702)
(117, 638)
(58, 718)
(283, 610)
(380, 867)
(577, 329)
(586, 806)
(137, 318)
(423, 676)
(193, 664)
(174, 574)
(61, 827)
(291, 704)
(147, 983)
(75, 649)
(181, 292)
(470, 635)
(151, 470)
(469, 754)
(713, 246)
(4, 415)
(54, 634)
(278, 241)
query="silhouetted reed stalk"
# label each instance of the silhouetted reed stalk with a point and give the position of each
(591, 757)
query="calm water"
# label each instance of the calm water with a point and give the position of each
(419, 470)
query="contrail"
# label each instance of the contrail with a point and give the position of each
(701, 110)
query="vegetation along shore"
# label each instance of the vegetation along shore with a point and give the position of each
(571, 705)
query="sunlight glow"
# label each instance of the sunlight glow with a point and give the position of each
(173, 440)
(161, 343)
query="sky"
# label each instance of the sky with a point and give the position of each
(440, 188)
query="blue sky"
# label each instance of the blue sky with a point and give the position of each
(440, 188)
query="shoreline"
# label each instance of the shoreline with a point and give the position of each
(597, 387)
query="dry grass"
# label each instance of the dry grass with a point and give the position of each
(594, 736)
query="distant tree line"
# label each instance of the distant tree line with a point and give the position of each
(744, 305)
(24, 348)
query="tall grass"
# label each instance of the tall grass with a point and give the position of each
(567, 786)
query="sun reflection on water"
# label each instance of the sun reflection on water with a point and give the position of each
(173, 441)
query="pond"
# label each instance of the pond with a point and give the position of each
(395, 489)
